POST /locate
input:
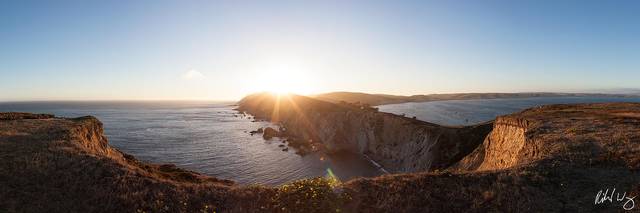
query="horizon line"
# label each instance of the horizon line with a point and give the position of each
(315, 94)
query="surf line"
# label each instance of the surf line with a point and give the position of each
(380, 168)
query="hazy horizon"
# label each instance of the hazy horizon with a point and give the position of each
(633, 92)
(223, 50)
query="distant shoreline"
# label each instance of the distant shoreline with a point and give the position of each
(383, 99)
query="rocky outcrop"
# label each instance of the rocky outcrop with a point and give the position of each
(397, 143)
(587, 134)
(500, 148)
(270, 133)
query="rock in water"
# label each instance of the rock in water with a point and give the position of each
(256, 131)
(270, 133)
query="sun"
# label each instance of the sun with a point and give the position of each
(282, 78)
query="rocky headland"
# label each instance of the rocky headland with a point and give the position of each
(397, 143)
(557, 158)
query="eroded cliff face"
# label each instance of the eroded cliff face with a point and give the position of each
(589, 134)
(398, 143)
(502, 148)
(88, 132)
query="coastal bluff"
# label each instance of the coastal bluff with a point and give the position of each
(557, 158)
(397, 143)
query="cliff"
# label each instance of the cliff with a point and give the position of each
(557, 158)
(398, 143)
(579, 135)
(66, 165)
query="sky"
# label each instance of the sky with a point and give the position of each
(223, 50)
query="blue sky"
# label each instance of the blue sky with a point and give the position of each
(222, 50)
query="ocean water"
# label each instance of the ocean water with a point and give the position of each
(466, 112)
(207, 137)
